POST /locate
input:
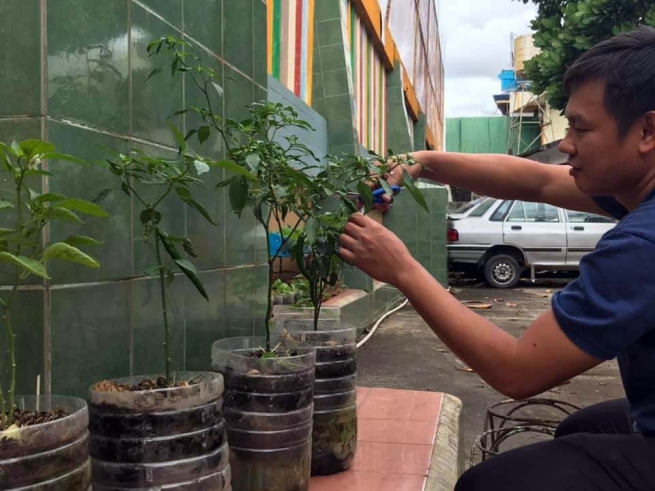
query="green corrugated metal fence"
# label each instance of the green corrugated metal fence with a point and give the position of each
(489, 135)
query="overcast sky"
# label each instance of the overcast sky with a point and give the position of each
(476, 41)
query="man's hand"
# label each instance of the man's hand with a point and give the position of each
(394, 177)
(374, 249)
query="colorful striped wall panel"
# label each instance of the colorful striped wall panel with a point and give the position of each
(291, 44)
(369, 83)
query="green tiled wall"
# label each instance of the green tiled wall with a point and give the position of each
(423, 233)
(331, 94)
(90, 89)
(399, 138)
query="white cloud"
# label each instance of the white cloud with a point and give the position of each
(477, 46)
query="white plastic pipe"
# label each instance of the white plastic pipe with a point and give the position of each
(379, 321)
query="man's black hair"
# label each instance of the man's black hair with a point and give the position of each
(626, 64)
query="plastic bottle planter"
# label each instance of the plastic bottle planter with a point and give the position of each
(268, 410)
(48, 456)
(164, 439)
(335, 391)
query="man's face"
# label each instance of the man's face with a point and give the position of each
(601, 162)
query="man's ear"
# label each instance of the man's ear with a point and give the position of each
(647, 142)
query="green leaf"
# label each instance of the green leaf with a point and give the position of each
(203, 134)
(366, 193)
(67, 158)
(48, 198)
(386, 187)
(154, 44)
(5, 204)
(183, 192)
(25, 263)
(152, 271)
(299, 252)
(226, 182)
(190, 271)
(231, 166)
(37, 172)
(126, 189)
(199, 208)
(153, 73)
(238, 192)
(168, 245)
(32, 148)
(18, 151)
(83, 206)
(201, 167)
(414, 191)
(218, 88)
(311, 229)
(57, 213)
(148, 216)
(82, 240)
(101, 197)
(253, 160)
(178, 136)
(67, 252)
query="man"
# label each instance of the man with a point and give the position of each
(608, 312)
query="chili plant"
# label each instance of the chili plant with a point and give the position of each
(277, 176)
(275, 186)
(149, 181)
(268, 170)
(26, 214)
(317, 249)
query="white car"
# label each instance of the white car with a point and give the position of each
(501, 239)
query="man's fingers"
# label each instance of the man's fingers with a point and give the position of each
(345, 253)
(357, 220)
(352, 230)
(348, 242)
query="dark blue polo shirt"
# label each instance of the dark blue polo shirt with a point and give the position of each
(609, 311)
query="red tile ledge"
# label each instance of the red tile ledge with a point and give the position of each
(404, 443)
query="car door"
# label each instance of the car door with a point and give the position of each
(584, 230)
(539, 230)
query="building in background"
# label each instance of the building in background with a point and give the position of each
(529, 112)
(372, 69)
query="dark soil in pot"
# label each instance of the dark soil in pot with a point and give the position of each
(49, 450)
(145, 435)
(268, 412)
(334, 433)
(334, 440)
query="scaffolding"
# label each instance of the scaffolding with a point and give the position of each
(528, 115)
(528, 112)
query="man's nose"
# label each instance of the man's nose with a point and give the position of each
(566, 146)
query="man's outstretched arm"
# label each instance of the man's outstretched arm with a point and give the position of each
(502, 176)
(541, 359)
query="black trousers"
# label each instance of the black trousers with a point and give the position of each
(593, 449)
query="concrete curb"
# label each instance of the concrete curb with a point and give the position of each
(447, 462)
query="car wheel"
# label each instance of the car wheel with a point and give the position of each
(502, 271)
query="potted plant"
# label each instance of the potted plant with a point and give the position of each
(334, 434)
(269, 387)
(167, 430)
(269, 384)
(283, 293)
(43, 439)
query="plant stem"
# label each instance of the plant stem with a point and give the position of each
(269, 309)
(167, 331)
(6, 307)
(11, 340)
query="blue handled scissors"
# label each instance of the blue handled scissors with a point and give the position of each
(377, 194)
